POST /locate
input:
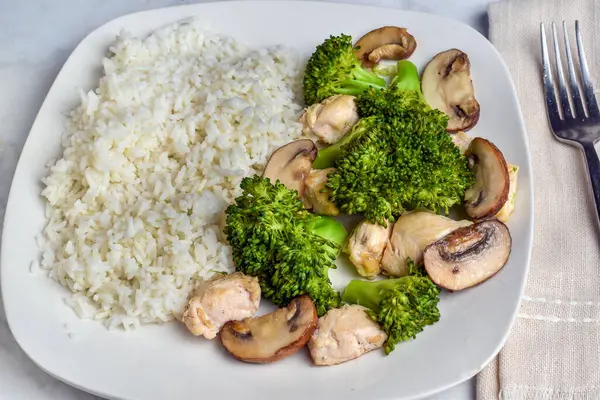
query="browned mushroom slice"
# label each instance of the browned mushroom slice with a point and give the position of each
(273, 336)
(446, 85)
(386, 43)
(492, 182)
(290, 164)
(414, 231)
(469, 255)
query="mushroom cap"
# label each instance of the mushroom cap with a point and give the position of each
(273, 336)
(412, 233)
(291, 163)
(468, 255)
(492, 181)
(385, 43)
(446, 85)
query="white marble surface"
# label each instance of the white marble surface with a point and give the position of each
(36, 37)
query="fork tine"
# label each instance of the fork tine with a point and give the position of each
(574, 86)
(588, 89)
(562, 87)
(551, 104)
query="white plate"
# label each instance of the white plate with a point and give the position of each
(163, 362)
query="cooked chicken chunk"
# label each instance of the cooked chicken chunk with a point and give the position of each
(220, 300)
(344, 334)
(506, 210)
(366, 246)
(461, 140)
(331, 119)
(316, 195)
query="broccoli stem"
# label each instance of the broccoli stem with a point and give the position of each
(330, 229)
(407, 77)
(365, 76)
(369, 293)
(328, 156)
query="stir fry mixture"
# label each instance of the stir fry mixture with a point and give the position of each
(389, 145)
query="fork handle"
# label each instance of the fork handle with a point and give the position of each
(593, 163)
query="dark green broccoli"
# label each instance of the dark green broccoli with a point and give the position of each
(334, 69)
(402, 157)
(402, 306)
(289, 249)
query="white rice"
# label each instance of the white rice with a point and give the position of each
(151, 159)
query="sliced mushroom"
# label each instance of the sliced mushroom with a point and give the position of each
(490, 191)
(330, 119)
(273, 336)
(414, 231)
(386, 43)
(446, 85)
(468, 255)
(290, 164)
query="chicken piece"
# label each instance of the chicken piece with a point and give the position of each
(509, 206)
(344, 334)
(316, 195)
(412, 232)
(366, 246)
(331, 119)
(220, 300)
(461, 140)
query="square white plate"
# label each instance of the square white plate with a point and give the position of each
(164, 362)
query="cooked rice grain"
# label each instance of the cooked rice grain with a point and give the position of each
(151, 158)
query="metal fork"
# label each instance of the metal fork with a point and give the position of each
(580, 126)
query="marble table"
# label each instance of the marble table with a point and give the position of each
(36, 37)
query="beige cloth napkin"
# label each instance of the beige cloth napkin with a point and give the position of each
(553, 351)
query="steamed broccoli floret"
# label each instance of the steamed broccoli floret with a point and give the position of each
(289, 249)
(334, 69)
(402, 159)
(402, 306)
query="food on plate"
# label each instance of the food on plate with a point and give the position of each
(221, 299)
(412, 232)
(461, 140)
(291, 164)
(508, 207)
(447, 86)
(406, 77)
(273, 336)
(365, 247)
(344, 334)
(150, 159)
(404, 159)
(334, 69)
(401, 306)
(327, 157)
(317, 195)
(287, 248)
(469, 255)
(330, 119)
(492, 181)
(191, 186)
(385, 43)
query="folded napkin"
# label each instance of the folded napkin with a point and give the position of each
(553, 351)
